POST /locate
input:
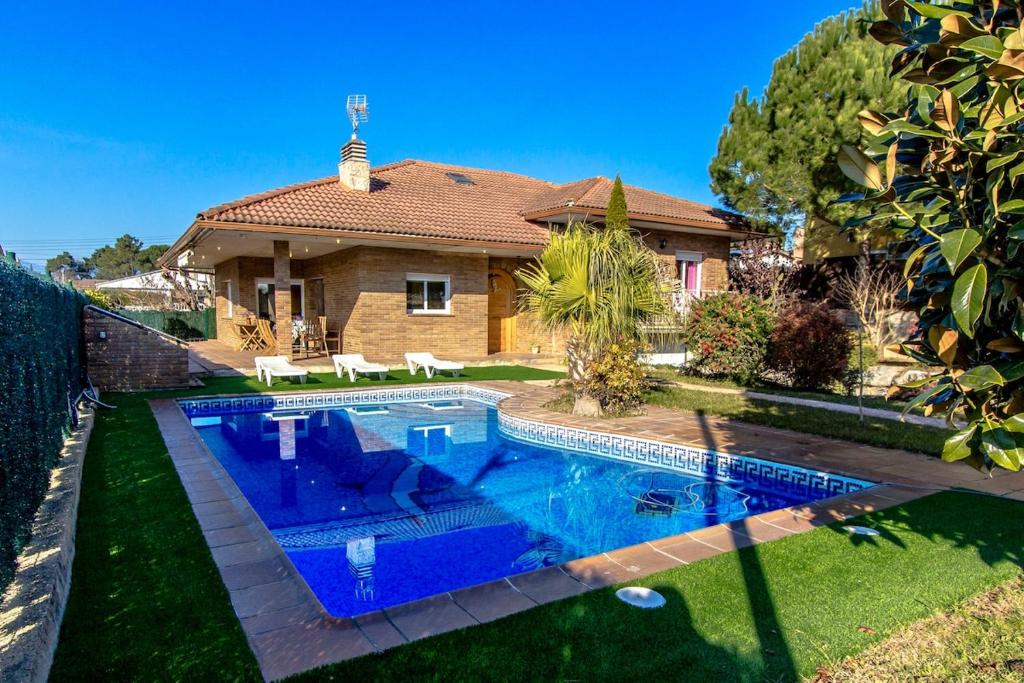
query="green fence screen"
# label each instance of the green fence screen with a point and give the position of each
(40, 368)
(188, 325)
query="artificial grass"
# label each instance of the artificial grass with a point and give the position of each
(772, 612)
(873, 431)
(980, 639)
(147, 603)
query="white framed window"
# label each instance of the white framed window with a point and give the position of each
(265, 298)
(428, 294)
(689, 265)
(229, 294)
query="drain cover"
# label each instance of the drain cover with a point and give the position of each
(640, 597)
(861, 530)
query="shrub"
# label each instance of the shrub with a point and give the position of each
(810, 346)
(40, 369)
(616, 379)
(99, 298)
(727, 336)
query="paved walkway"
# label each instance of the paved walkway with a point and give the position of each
(910, 418)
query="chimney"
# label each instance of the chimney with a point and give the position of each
(354, 169)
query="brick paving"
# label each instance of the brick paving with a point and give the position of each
(289, 631)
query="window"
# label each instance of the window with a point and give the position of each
(689, 264)
(427, 294)
(460, 178)
(229, 294)
(265, 299)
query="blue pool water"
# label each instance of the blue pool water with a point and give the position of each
(377, 505)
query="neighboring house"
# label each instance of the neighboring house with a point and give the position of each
(159, 290)
(827, 245)
(82, 284)
(422, 256)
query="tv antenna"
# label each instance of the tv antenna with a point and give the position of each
(358, 112)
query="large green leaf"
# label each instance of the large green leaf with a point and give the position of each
(957, 245)
(987, 45)
(957, 447)
(981, 378)
(969, 297)
(1001, 447)
(1012, 206)
(934, 11)
(859, 168)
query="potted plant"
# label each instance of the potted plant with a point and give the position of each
(535, 347)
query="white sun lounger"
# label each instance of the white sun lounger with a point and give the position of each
(354, 364)
(431, 365)
(268, 367)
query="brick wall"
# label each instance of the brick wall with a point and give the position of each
(364, 294)
(714, 268)
(121, 356)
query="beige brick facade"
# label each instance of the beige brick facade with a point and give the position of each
(364, 295)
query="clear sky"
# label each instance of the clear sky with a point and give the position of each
(131, 117)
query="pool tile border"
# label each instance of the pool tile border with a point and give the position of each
(288, 629)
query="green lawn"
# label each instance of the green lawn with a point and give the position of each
(147, 603)
(670, 374)
(328, 380)
(872, 431)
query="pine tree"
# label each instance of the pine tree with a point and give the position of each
(617, 215)
(776, 157)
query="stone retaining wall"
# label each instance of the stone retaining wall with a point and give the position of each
(32, 607)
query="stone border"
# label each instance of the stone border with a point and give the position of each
(290, 632)
(32, 607)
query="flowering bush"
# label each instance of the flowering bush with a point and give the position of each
(616, 379)
(727, 336)
(99, 298)
(810, 346)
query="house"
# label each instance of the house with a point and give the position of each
(158, 289)
(418, 255)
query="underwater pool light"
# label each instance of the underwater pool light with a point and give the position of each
(643, 598)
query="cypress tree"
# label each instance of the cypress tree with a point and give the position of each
(776, 157)
(617, 215)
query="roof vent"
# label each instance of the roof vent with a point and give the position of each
(460, 178)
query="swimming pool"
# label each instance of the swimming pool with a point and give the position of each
(382, 497)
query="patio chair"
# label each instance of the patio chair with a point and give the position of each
(354, 364)
(266, 338)
(431, 365)
(269, 367)
(313, 338)
(329, 337)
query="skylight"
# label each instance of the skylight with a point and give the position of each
(460, 178)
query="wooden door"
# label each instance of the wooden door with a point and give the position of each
(501, 312)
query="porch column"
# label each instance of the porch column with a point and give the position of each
(283, 296)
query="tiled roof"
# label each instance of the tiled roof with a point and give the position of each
(593, 193)
(418, 198)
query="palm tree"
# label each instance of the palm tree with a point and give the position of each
(596, 286)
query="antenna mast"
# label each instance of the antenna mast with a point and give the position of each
(358, 112)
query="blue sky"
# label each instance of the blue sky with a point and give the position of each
(131, 117)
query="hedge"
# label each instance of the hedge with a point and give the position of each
(40, 368)
(187, 325)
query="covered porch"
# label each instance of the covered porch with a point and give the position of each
(377, 297)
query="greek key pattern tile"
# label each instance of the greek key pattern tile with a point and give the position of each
(686, 459)
(318, 400)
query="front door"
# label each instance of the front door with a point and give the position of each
(501, 312)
